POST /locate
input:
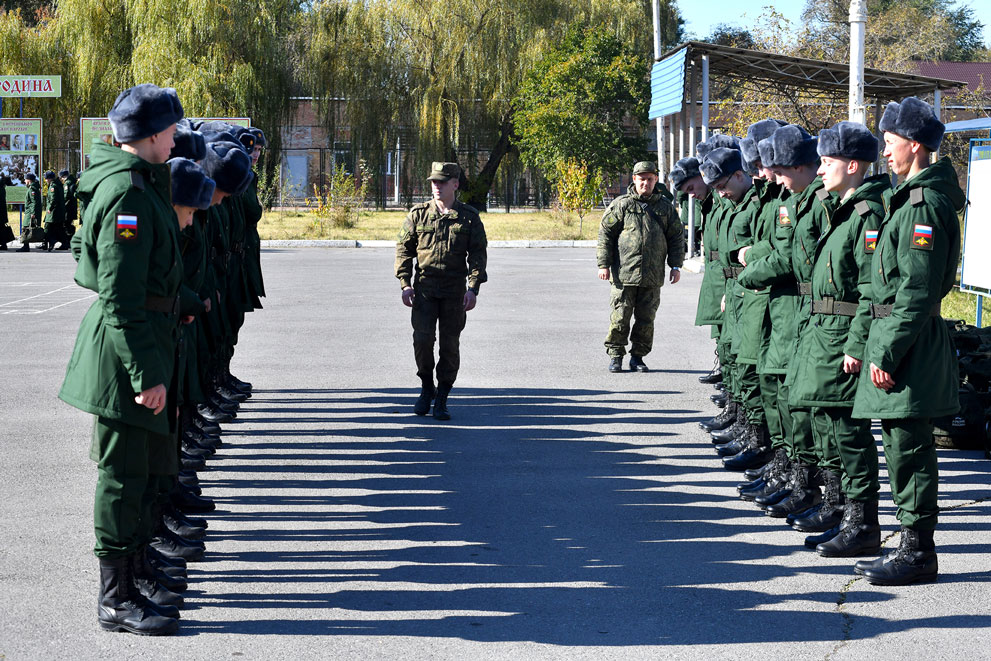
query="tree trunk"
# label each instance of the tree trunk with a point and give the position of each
(475, 192)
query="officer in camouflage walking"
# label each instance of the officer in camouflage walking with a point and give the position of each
(639, 231)
(445, 239)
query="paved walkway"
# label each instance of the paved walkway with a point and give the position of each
(563, 513)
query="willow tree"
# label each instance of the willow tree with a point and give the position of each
(443, 73)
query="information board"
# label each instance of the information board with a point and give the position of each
(975, 274)
(98, 128)
(20, 153)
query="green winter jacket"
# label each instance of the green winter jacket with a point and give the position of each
(637, 236)
(913, 268)
(55, 204)
(129, 255)
(754, 326)
(32, 206)
(769, 265)
(735, 231)
(713, 281)
(841, 272)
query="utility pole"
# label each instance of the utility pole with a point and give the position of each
(661, 136)
(858, 29)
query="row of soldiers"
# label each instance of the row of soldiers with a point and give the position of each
(169, 241)
(55, 211)
(822, 287)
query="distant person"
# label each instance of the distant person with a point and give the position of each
(18, 143)
(6, 234)
(30, 142)
(446, 240)
(32, 210)
(639, 231)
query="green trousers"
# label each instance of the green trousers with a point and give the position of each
(639, 304)
(446, 315)
(910, 452)
(727, 359)
(850, 441)
(774, 396)
(750, 395)
(802, 446)
(131, 465)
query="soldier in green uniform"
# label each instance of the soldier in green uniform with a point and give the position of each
(910, 367)
(723, 171)
(71, 207)
(756, 342)
(124, 361)
(6, 234)
(32, 210)
(55, 214)
(831, 348)
(446, 240)
(639, 231)
(795, 163)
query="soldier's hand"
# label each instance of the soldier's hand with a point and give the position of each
(675, 275)
(603, 274)
(851, 365)
(207, 305)
(881, 379)
(722, 303)
(408, 296)
(153, 398)
(470, 300)
(188, 319)
(741, 255)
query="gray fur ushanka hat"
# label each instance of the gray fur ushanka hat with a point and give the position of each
(848, 140)
(683, 170)
(721, 163)
(793, 146)
(915, 120)
(191, 187)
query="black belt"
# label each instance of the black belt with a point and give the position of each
(831, 306)
(162, 304)
(805, 288)
(713, 255)
(733, 272)
(882, 311)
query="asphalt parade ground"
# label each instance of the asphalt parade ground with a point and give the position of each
(563, 513)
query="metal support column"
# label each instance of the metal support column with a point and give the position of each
(938, 107)
(705, 98)
(691, 149)
(396, 172)
(858, 29)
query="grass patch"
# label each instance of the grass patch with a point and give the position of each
(958, 305)
(385, 225)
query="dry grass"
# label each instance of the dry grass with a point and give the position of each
(385, 225)
(958, 305)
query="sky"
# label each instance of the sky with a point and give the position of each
(700, 17)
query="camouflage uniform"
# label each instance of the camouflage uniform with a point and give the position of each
(449, 249)
(635, 238)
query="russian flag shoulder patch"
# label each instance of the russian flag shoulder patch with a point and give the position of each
(127, 227)
(922, 237)
(870, 240)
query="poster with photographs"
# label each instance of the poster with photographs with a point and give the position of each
(20, 153)
(98, 128)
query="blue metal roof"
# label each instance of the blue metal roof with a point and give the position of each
(667, 85)
(980, 124)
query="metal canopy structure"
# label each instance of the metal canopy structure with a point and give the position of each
(677, 98)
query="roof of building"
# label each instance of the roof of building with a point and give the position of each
(815, 74)
(969, 72)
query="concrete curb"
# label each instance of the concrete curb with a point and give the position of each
(340, 243)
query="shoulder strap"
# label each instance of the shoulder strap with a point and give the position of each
(822, 194)
(863, 209)
(137, 180)
(916, 196)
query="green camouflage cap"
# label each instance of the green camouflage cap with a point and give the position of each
(443, 171)
(645, 166)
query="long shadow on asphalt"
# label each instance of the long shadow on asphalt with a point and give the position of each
(515, 522)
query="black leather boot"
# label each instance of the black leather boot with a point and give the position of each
(222, 404)
(180, 528)
(231, 394)
(804, 493)
(914, 561)
(720, 399)
(426, 398)
(616, 364)
(156, 586)
(204, 425)
(173, 546)
(738, 428)
(725, 418)
(830, 511)
(637, 364)
(775, 477)
(173, 566)
(775, 492)
(241, 385)
(189, 503)
(210, 414)
(120, 606)
(440, 402)
(756, 453)
(812, 541)
(190, 447)
(713, 377)
(859, 533)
